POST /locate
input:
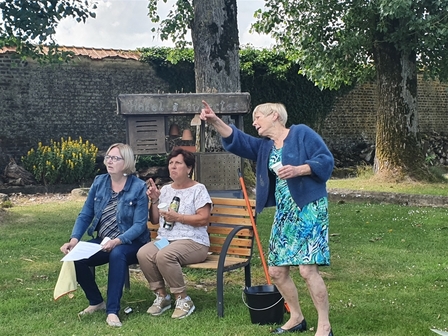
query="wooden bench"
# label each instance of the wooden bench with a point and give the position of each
(231, 242)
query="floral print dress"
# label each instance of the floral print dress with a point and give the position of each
(298, 236)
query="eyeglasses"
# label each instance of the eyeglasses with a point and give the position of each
(113, 158)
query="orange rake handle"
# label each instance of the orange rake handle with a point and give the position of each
(252, 219)
(254, 226)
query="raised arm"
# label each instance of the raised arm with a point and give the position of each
(153, 193)
(211, 118)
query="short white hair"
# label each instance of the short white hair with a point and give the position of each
(269, 108)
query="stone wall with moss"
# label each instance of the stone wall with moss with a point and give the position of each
(78, 99)
(353, 117)
(43, 102)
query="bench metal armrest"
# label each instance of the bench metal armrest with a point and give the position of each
(226, 245)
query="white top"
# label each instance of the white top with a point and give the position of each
(191, 199)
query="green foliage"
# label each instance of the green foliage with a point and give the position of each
(177, 23)
(364, 171)
(334, 41)
(6, 204)
(249, 177)
(430, 159)
(268, 75)
(147, 161)
(175, 66)
(67, 161)
(272, 76)
(27, 25)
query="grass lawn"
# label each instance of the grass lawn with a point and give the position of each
(388, 277)
(365, 180)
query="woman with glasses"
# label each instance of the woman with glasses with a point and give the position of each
(116, 213)
(292, 165)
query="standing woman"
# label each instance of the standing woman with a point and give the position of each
(117, 208)
(299, 235)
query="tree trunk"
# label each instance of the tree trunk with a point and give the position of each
(398, 153)
(216, 52)
(216, 46)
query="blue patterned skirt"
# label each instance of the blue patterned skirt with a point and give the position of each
(298, 236)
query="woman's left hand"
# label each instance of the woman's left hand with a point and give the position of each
(288, 171)
(171, 216)
(111, 244)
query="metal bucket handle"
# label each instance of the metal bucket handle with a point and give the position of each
(259, 309)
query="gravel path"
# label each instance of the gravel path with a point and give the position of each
(336, 195)
(27, 199)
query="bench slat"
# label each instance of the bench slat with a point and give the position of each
(225, 230)
(212, 262)
(232, 201)
(234, 251)
(230, 220)
(230, 211)
(214, 240)
(152, 226)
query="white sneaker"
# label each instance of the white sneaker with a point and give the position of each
(160, 305)
(184, 307)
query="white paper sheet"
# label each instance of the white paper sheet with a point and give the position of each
(82, 250)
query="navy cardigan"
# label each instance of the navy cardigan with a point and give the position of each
(301, 146)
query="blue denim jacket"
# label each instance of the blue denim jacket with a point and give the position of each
(132, 209)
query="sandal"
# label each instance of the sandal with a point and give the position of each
(114, 321)
(92, 309)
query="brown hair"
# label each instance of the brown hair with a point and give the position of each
(189, 157)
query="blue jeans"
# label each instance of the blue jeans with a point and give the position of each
(119, 258)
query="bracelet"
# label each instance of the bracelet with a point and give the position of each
(153, 202)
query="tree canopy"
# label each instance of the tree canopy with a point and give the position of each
(269, 75)
(29, 26)
(343, 42)
(175, 26)
(335, 40)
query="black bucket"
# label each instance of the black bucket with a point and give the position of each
(266, 304)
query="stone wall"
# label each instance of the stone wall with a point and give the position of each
(352, 119)
(433, 107)
(39, 103)
(354, 116)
